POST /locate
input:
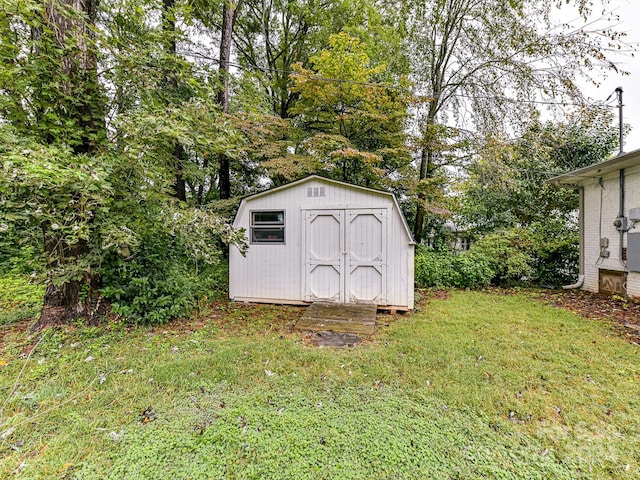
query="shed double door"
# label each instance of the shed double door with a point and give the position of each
(345, 255)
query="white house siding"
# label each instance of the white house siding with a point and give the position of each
(600, 225)
(276, 272)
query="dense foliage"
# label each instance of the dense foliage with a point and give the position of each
(501, 258)
(506, 190)
(129, 129)
(538, 256)
(442, 269)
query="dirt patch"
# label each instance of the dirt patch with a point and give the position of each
(334, 339)
(624, 313)
(8, 332)
(425, 295)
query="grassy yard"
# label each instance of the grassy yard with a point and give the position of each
(19, 299)
(478, 385)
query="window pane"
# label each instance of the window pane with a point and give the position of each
(267, 235)
(273, 218)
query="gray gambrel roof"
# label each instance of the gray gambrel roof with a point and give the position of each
(334, 182)
(578, 177)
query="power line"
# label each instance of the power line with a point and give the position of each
(389, 86)
(294, 72)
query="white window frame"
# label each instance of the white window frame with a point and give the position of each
(256, 225)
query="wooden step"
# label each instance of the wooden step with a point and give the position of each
(345, 318)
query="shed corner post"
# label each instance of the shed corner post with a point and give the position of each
(411, 270)
(581, 248)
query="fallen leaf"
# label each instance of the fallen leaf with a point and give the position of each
(148, 415)
(7, 433)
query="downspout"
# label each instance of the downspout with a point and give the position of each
(580, 281)
(578, 284)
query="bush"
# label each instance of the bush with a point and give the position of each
(160, 282)
(556, 254)
(439, 269)
(161, 260)
(19, 253)
(547, 255)
(509, 253)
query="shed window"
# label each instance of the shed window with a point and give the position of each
(267, 226)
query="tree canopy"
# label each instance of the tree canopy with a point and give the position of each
(129, 129)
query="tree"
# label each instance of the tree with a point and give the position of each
(482, 64)
(506, 184)
(275, 34)
(354, 127)
(506, 188)
(54, 97)
(100, 200)
(169, 14)
(229, 13)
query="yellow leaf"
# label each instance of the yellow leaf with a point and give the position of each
(65, 467)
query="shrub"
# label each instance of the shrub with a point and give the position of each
(20, 299)
(153, 286)
(163, 261)
(509, 253)
(19, 253)
(438, 269)
(159, 282)
(474, 270)
(545, 255)
(556, 254)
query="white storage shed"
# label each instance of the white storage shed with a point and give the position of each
(323, 240)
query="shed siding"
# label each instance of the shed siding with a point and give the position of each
(277, 271)
(600, 225)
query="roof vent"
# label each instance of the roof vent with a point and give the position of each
(315, 191)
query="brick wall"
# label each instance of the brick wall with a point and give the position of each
(601, 206)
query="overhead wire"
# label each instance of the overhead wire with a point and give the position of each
(398, 87)
(390, 86)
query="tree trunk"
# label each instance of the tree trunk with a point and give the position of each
(69, 30)
(205, 167)
(180, 185)
(179, 154)
(73, 299)
(229, 13)
(426, 161)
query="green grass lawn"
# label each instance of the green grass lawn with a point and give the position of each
(479, 385)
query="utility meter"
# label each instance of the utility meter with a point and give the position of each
(621, 224)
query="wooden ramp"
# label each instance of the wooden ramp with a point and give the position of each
(339, 318)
